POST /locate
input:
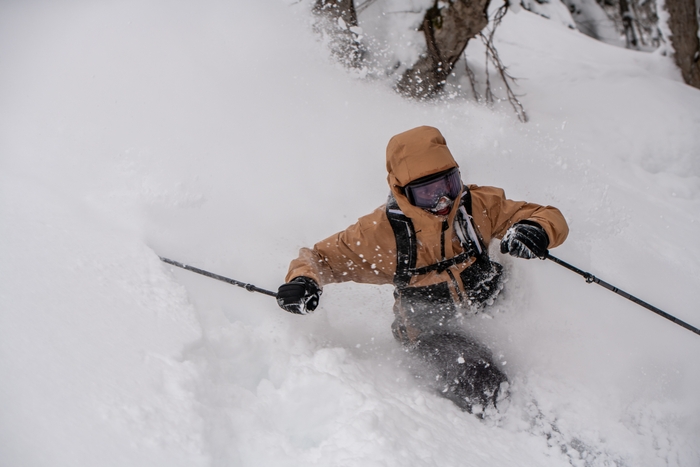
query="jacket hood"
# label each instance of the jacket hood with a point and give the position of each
(417, 153)
(414, 154)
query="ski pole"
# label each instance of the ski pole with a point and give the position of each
(248, 287)
(590, 278)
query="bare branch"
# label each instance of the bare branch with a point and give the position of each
(493, 57)
(472, 79)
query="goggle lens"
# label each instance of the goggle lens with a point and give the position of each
(426, 194)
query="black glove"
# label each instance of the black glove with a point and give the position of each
(299, 296)
(525, 239)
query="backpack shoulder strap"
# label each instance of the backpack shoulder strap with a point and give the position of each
(406, 248)
(467, 200)
(465, 228)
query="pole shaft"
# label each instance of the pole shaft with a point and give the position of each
(248, 287)
(590, 278)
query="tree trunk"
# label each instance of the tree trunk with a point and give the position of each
(683, 23)
(628, 24)
(447, 31)
(338, 21)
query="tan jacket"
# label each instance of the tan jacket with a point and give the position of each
(366, 251)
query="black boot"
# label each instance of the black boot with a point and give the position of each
(462, 370)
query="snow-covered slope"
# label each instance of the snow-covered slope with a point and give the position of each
(219, 134)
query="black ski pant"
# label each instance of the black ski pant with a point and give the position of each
(454, 364)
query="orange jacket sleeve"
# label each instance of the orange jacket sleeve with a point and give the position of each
(494, 214)
(364, 252)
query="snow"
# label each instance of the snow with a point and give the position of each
(220, 134)
(556, 11)
(592, 20)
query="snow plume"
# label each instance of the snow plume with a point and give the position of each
(222, 135)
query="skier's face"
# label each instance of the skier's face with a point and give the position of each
(443, 207)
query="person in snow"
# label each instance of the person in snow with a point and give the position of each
(430, 240)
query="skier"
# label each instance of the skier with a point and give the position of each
(430, 240)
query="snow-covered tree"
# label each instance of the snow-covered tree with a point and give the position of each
(337, 21)
(447, 28)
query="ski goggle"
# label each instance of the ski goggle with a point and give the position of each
(427, 191)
